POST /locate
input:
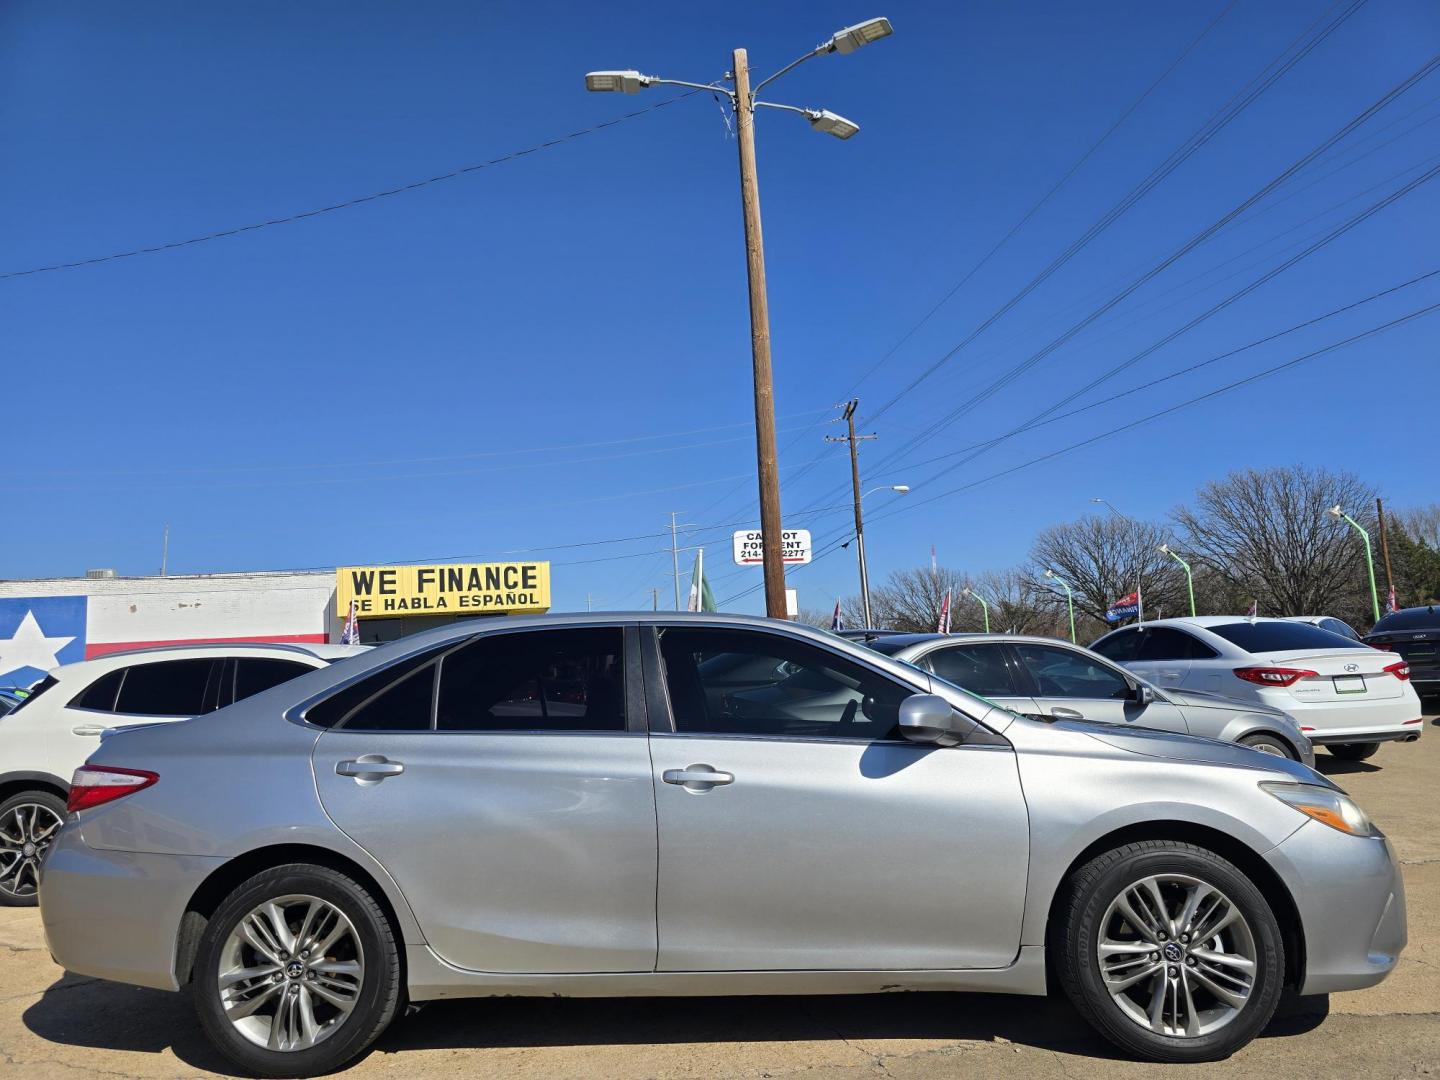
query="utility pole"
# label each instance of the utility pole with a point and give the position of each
(675, 556)
(1385, 551)
(654, 599)
(773, 546)
(587, 601)
(165, 550)
(853, 439)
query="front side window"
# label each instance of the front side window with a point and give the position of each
(1063, 673)
(738, 682)
(165, 688)
(546, 680)
(981, 669)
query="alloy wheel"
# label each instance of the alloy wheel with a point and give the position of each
(26, 832)
(291, 972)
(1176, 955)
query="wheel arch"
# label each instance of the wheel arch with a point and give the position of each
(14, 783)
(211, 893)
(1274, 733)
(1245, 858)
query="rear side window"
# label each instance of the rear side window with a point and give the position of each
(335, 708)
(1264, 637)
(100, 695)
(1164, 643)
(405, 706)
(254, 674)
(1335, 626)
(165, 688)
(1119, 647)
(981, 669)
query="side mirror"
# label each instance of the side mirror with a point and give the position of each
(1144, 695)
(930, 719)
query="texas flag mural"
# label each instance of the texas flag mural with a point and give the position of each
(38, 633)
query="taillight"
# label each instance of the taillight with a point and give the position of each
(96, 785)
(1400, 669)
(1273, 676)
(1383, 646)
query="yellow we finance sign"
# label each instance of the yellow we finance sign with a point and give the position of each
(443, 589)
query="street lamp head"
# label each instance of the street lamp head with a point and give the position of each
(1097, 500)
(1335, 511)
(965, 591)
(901, 489)
(1165, 548)
(1050, 573)
(615, 82)
(831, 123)
(863, 33)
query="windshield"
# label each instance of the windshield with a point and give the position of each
(1264, 637)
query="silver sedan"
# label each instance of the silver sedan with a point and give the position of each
(1043, 677)
(637, 805)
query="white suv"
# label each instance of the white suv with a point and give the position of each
(45, 738)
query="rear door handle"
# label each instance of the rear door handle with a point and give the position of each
(1066, 714)
(88, 729)
(370, 767)
(697, 777)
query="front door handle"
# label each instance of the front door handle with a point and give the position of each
(1171, 674)
(697, 777)
(88, 729)
(1066, 714)
(369, 767)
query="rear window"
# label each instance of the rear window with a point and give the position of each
(1426, 618)
(885, 646)
(35, 691)
(1264, 637)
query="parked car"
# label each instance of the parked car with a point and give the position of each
(1347, 696)
(423, 823)
(10, 697)
(1046, 678)
(49, 734)
(1413, 634)
(1327, 622)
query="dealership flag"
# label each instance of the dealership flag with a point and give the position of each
(1127, 607)
(350, 633)
(1394, 607)
(837, 621)
(701, 598)
(944, 625)
(1254, 611)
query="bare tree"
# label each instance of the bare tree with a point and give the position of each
(1105, 558)
(1015, 606)
(1266, 533)
(911, 599)
(1421, 524)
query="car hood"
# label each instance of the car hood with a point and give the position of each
(1201, 699)
(1164, 744)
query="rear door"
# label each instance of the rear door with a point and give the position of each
(798, 831)
(505, 784)
(1166, 655)
(988, 669)
(1070, 684)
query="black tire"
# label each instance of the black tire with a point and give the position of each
(1270, 744)
(19, 871)
(1075, 946)
(380, 993)
(1353, 751)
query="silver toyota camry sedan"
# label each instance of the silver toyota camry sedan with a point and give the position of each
(616, 805)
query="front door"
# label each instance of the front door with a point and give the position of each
(506, 787)
(1072, 685)
(799, 832)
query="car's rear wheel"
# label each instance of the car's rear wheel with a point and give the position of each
(1353, 751)
(1270, 744)
(297, 972)
(1169, 951)
(28, 824)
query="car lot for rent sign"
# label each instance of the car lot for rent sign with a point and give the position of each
(750, 547)
(443, 589)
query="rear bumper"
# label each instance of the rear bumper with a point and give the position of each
(116, 914)
(1351, 901)
(1408, 732)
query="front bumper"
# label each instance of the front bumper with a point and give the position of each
(1351, 899)
(116, 914)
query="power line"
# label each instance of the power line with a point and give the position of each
(348, 204)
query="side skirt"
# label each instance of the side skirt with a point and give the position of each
(431, 979)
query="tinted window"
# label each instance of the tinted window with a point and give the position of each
(405, 706)
(1264, 637)
(734, 682)
(165, 688)
(332, 710)
(981, 669)
(1120, 646)
(1335, 626)
(254, 674)
(35, 691)
(1065, 673)
(549, 680)
(1425, 618)
(1164, 643)
(100, 695)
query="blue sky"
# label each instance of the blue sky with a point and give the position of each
(555, 350)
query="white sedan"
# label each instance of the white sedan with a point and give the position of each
(1345, 695)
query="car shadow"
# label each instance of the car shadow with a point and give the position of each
(1329, 764)
(108, 1016)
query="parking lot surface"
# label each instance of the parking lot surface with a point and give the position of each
(54, 1025)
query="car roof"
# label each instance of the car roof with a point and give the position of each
(315, 650)
(1201, 621)
(908, 640)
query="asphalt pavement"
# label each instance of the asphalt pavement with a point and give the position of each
(57, 1025)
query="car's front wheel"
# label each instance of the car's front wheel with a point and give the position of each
(28, 824)
(1270, 744)
(1170, 951)
(297, 972)
(1353, 751)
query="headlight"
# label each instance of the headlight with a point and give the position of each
(1325, 805)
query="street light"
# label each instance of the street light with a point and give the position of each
(1189, 577)
(899, 489)
(1339, 514)
(1139, 594)
(967, 591)
(1069, 599)
(743, 101)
